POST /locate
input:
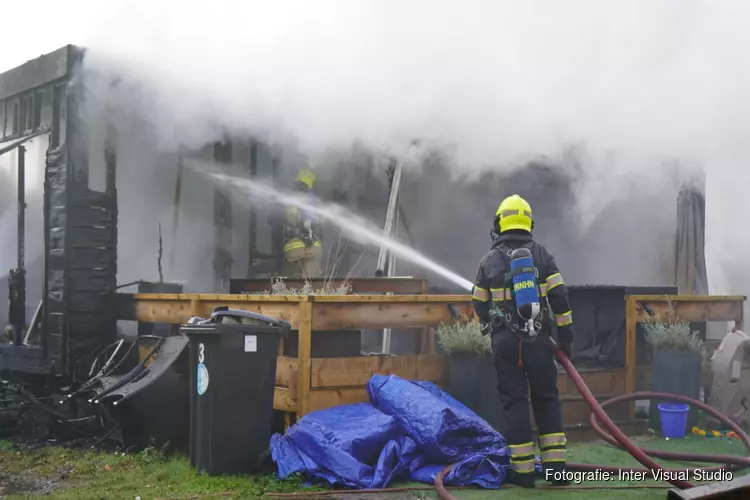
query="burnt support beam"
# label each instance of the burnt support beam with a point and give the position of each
(223, 259)
(21, 206)
(176, 215)
(17, 278)
(277, 229)
(252, 227)
(110, 161)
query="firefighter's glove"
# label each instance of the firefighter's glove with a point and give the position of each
(496, 319)
(567, 349)
(485, 328)
(307, 233)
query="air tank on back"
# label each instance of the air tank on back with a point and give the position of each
(525, 285)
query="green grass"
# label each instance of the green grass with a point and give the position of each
(90, 475)
(605, 454)
(85, 475)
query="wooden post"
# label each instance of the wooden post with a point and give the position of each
(176, 213)
(287, 420)
(424, 344)
(631, 358)
(195, 307)
(223, 220)
(326, 382)
(304, 348)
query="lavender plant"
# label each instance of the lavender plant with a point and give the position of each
(463, 336)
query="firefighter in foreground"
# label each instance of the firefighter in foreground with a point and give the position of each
(518, 292)
(303, 248)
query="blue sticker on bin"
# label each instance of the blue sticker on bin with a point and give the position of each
(202, 379)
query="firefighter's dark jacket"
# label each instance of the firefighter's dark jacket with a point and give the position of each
(490, 282)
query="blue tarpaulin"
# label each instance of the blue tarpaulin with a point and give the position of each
(408, 431)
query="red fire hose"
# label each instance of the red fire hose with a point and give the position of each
(613, 435)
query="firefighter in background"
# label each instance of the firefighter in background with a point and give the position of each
(303, 248)
(523, 350)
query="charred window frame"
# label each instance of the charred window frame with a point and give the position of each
(43, 108)
(26, 113)
(59, 115)
(2, 119)
(11, 128)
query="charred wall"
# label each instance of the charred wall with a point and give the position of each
(75, 265)
(81, 237)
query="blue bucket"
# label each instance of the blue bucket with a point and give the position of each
(673, 419)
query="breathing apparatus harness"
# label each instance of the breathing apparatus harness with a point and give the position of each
(526, 309)
(308, 228)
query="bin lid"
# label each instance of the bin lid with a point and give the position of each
(224, 311)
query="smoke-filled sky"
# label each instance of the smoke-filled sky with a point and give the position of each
(636, 81)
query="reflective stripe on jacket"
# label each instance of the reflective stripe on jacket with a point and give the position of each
(297, 243)
(489, 285)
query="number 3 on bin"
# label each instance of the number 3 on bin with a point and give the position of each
(201, 356)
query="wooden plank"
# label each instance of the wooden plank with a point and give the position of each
(599, 382)
(346, 299)
(303, 356)
(353, 372)
(425, 342)
(327, 344)
(689, 298)
(287, 372)
(162, 311)
(329, 315)
(179, 311)
(699, 308)
(195, 308)
(358, 285)
(320, 399)
(386, 299)
(696, 312)
(374, 310)
(284, 399)
(222, 297)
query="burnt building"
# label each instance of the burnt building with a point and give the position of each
(107, 198)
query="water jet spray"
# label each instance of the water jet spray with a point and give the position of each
(352, 224)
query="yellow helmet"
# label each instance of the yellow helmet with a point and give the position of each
(307, 177)
(514, 213)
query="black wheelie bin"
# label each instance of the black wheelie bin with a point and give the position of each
(233, 373)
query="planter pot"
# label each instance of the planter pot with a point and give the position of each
(473, 382)
(675, 372)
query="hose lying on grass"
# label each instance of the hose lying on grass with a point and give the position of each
(313, 494)
(606, 428)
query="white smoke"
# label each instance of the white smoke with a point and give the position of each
(638, 82)
(34, 157)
